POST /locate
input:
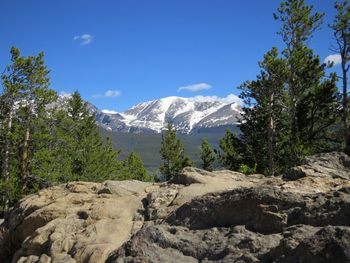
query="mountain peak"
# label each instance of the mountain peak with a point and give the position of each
(186, 114)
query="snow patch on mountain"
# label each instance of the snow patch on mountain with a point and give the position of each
(186, 114)
(109, 111)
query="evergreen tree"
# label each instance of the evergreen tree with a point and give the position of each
(41, 144)
(305, 83)
(292, 108)
(34, 95)
(341, 33)
(207, 155)
(264, 115)
(172, 152)
(134, 168)
(90, 159)
(50, 160)
(25, 96)
(7, 140)
(231, 154)
(298, 24)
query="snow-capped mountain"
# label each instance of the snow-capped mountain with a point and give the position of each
(188, 115)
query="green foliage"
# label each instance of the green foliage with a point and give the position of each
(312, 98)
(173, 155)
(41, 144)
(246, 169)
(133, 169)
(292, 108)
(89, 159)
(207, 155)
(25, 93)
(231, 154)
(264, 116)
(298, 22)
(147, 145)
(341, 34)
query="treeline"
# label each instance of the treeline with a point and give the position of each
(292, 108)
(43, 142)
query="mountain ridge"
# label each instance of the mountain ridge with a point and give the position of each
(188, 115)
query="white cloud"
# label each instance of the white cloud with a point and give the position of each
(109, 111)
(195, 87)
(228, 99)
(84, 39)
(112, 93)
(108, 94)
(335, 58)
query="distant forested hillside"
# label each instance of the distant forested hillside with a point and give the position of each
(148, 145)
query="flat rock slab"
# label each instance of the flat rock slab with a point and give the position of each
(220, 216)
(76, 222)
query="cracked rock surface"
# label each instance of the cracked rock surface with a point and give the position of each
(200, 216)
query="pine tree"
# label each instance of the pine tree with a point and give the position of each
(50, 160)
(231, 154)
(264, 115)
(7, 149)
(172, 152)
(341, 33)
(109, 163)
(298, 24)
(41, 144)
(305, 83)
(26, 93)
(91, 160)
(207, 155)
(134, 168)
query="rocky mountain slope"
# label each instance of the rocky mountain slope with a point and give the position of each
(188, 115)
(222, 216)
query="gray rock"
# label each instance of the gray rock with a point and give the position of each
(159, 202)
(262, 224)
(220, 216)
(191, 175)
(164, 243)
(122, 188)
(330, 244)
(30, 259)
(264, 209)
(331, 165)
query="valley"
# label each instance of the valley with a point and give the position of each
(147, 145)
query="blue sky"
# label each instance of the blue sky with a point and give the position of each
(121, 52)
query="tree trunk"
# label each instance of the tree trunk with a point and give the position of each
(270, 131)
(293, 121)
(25, 153)
(25, 157)
(7, 158)
(345, 107)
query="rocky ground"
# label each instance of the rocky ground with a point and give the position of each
(223, 216)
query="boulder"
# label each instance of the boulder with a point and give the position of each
(330, 165)
(122, 188)
(264, 209)
(76, 222)
(164, 243)
(200, 216)
(307, 244)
